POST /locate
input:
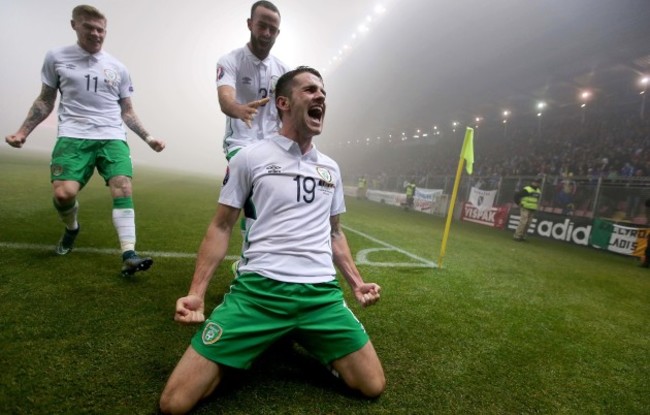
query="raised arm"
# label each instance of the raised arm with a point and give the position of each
(233, 109)
(189, 309)
(365, 293)
(41, 108)
(133, 122)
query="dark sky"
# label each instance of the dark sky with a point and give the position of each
(432, 62)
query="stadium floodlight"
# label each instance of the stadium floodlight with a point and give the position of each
(584, 97)
(540, 107)
(644, 83)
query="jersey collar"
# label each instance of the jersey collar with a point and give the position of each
(254, 58)
(292, 148)
(97, 56)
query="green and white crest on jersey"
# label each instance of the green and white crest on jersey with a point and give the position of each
(211, 333)
(324, 174)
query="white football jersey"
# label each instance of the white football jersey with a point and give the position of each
(291, 196)
(90, 87)
(252, 79)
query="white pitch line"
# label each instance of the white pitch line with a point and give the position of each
(362, 256)
(107, 251)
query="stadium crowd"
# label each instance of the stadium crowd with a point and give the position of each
(609, 145)
(572, 153)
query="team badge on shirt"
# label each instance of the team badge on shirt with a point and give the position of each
(220, 72)
(324, 174)
(211, 333)
(112, 78)
(274, 81)
(56, 170)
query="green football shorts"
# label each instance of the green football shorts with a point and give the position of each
(76, 159)
(257, 311)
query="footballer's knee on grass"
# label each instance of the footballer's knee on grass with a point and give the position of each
(65, 191)
(362, 371)
(193, 379)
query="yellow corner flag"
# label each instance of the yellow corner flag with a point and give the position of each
(468, 150)
(467, 156)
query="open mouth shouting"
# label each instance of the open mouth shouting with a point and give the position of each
(316, 113)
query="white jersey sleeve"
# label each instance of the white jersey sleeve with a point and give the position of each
(252, 79)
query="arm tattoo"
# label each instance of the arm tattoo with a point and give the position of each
(131, 119)
(41, 108)
(335, 225)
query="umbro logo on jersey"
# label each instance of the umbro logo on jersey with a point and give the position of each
(70, 66)
(273, 169)
(246, 80)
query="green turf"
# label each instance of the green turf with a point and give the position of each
(504, 328)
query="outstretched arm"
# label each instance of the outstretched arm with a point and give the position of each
(233, 109)
(41, 108)
(133, 122)
(365, 293)
(189, 309)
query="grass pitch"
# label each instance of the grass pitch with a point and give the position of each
(502, 328)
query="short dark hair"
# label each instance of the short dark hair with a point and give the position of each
(86, 11)
(285, 83)
(266, 5)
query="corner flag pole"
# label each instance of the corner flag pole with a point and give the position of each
(466, 154)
